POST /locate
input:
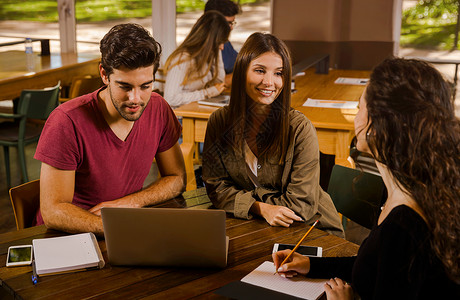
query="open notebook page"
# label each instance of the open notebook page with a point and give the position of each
(299, 286)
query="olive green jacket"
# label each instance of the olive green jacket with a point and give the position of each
(294, 184)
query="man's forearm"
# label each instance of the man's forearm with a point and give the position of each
(161, 190)
(73, 219)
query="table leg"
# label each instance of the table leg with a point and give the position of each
(188, 150)
(342, 151)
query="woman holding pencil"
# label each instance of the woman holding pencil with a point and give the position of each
(406, 121)
(260, 156)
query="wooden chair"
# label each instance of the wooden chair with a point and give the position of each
(82, 85)
(33, 104)
(25, 200)
(357, 195)
(187, 152)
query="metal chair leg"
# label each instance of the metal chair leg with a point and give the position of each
(22, 162)
(6, 154)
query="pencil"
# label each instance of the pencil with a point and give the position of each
(298, 244)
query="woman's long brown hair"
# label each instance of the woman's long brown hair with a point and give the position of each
(273, 137)
(201, 46)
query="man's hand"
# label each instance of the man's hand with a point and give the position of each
(115, 203)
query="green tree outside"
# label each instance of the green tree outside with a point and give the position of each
(91, 10)
(430, 24)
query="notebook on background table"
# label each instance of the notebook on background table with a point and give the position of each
(220, 101)
(165, 237)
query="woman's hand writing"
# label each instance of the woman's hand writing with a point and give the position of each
(296, 264)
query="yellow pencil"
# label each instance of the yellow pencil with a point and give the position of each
(298, 244)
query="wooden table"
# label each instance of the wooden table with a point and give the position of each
(48, 70)
(251, 242)
(334, 127)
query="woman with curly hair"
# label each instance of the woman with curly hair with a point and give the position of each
(406, 121)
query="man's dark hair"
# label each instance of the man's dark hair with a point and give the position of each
(227, 7)
(129, 46)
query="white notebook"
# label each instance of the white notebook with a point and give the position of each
(298, 286)
(352, 81)
(67, 254)
(342, 104)
(220, 100)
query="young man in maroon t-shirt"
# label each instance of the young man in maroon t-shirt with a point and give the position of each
(97, 149)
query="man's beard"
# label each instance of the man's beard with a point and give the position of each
(127, 116)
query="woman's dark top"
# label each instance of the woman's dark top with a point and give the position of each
(394, 262)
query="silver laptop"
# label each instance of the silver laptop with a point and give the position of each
(220, 100)
(165, 237)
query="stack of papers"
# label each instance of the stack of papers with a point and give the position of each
(331, 103)
(352, 81)
(220, 100)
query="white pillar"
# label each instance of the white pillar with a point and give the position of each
(397, 18)
(164, 26)
(67, 26)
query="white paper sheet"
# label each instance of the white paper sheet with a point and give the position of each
(6, 104)
(299, 286)
(352, 81)
(331, 103)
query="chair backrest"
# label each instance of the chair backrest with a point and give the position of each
(38, 104)
(357, 195)
(25, 199)
(82, 85)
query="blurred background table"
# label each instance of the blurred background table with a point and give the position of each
(334, 126)
(46, 71)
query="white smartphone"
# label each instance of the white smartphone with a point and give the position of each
(304, 250)
(19, 256)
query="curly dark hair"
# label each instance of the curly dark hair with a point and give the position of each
(414, 132)
(227, 7)
(130, 46)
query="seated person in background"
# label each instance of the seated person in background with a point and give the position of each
(260, 156)
(407, 122)
(97, 149)
(194, 71)
(229, 9)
